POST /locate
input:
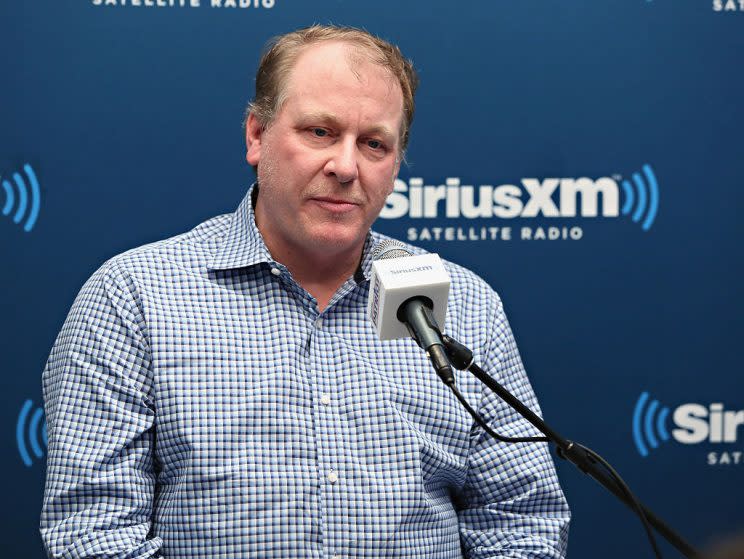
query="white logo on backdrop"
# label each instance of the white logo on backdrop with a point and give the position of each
(561, 200)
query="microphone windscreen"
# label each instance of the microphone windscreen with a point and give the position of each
(390, 248)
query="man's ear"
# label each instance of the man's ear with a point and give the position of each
(253, 134)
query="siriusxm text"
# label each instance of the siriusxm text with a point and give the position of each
(411, 270)
(550, 197)
(697, 423)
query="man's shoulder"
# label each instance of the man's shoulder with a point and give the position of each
(191, 250)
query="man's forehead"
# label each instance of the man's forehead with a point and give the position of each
(328, 58)
(322, 52)
(335, 62)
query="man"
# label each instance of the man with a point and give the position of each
(221, 394)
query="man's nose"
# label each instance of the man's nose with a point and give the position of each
(342, 162)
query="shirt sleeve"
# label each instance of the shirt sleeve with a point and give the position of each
(513, 505)
(100, 480)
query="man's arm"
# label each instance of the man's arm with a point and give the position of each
(513, 504)
(100, 480)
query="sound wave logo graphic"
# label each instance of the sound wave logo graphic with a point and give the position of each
(648, 422)
(645, 197)
(24, 200)
(29, 431)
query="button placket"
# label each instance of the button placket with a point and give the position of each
(332, 449)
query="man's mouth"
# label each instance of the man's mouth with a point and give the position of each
(338, 205)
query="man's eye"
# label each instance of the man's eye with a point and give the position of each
(375, 144)
(320, 132)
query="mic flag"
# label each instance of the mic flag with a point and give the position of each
(397, 276)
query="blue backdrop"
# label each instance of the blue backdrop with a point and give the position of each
(121, 124)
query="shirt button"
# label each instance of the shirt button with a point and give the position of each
(318, 322)
(325, 399)
(336, 557)
(276, 271)
(333, 477)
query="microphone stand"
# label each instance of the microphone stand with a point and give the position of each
(587, 461)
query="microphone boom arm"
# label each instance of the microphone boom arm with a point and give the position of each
(586, 460)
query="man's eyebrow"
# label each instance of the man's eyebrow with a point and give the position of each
(332, 119)
(320, 116)
(383, 131)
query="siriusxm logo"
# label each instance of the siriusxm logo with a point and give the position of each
(30, 428)
(22, 202)
(692, 424)
(376, 302)
(531, 198)
(412, 270)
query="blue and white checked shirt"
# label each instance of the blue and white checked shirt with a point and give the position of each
(199, 406)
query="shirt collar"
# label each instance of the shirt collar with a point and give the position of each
(365, 265)
(243, 245)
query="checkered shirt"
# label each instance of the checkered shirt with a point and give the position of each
(199, 406)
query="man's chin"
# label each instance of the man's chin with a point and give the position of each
(337, 239)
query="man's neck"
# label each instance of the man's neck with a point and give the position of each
(321, 275)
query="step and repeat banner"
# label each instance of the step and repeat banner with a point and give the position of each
(586, 158)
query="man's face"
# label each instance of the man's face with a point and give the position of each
(327, 162)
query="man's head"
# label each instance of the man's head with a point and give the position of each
(326, 135)
(281, 54)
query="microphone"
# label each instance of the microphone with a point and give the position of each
(408, 297)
